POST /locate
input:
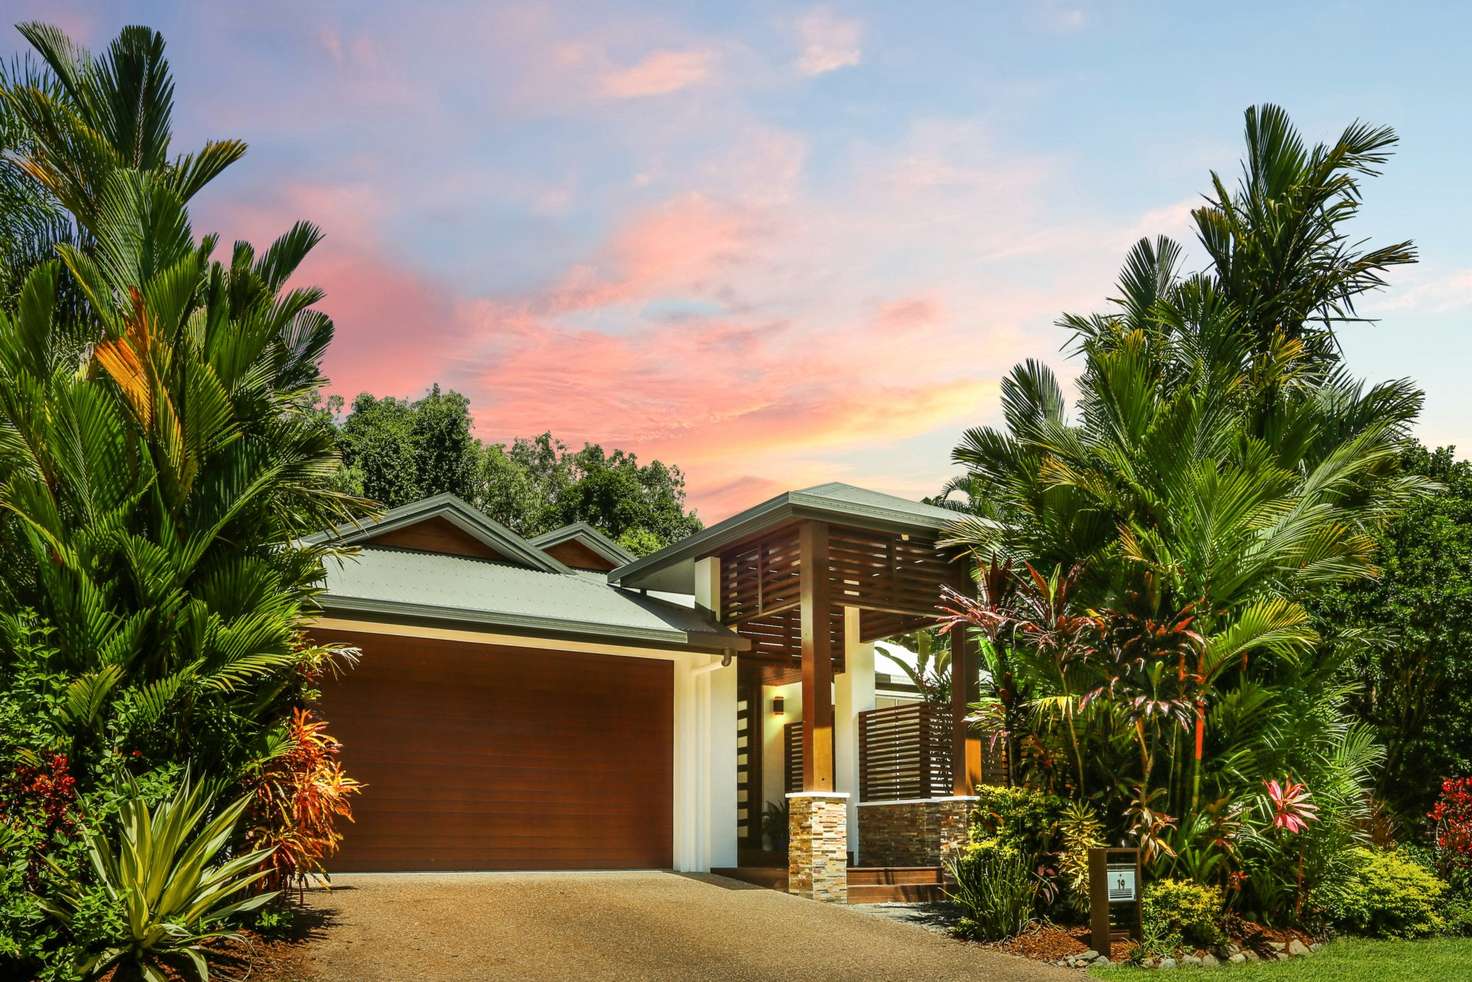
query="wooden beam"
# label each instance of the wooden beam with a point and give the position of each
(817, 658)
(965, 689)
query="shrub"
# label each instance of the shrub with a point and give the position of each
(1452, 819)
(157, 898)
(1185, 910)
(1079, 830)
(1386, 894)
(995, 888)
(297, 802)
(1020, 817)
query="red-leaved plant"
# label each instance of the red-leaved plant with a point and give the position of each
(1452, 817)
(39, 801)
(299, 798)
(1292, 810)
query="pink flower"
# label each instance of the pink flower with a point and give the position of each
(1291, 808)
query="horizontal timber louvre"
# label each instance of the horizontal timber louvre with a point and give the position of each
(792, 741)
(904, 752)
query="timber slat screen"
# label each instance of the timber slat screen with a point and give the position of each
(792, 775)
(904, 752)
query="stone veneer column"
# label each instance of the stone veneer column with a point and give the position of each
(817, 847)
(923, 832)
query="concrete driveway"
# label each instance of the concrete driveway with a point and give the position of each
(634, 925)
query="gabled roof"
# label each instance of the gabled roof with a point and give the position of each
(588, 536)
(442, 588)
(671, 567)
(457, 512)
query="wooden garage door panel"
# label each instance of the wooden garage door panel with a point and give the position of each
(479, 757)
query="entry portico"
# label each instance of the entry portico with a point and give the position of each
(811, 579)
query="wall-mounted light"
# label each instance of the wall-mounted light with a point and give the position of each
(778, 705)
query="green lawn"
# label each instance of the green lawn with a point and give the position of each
(1350, 960)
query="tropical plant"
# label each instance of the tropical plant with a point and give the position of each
(166, 872)
(776, 824)
(995, 888)
(298, 802)
(1451, 820)
(1220, 468)
(1079, 830)
(1404, 635)
(930, 673)
(159, 465)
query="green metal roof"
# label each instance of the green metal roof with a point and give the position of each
(844, 504)
(457, 512)
(402, 583)
(588, 536)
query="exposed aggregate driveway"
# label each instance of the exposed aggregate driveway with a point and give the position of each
(622, 925)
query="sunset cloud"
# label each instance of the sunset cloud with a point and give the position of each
(829, 42)
(659, 73)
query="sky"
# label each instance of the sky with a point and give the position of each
(783, 244)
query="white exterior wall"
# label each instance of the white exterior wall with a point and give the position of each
(853, 693)
(774, 751)
(705, 748)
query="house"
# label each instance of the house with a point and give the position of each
(554, 703)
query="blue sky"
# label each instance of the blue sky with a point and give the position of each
(780, 244)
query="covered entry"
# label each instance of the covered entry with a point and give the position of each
(480, 757)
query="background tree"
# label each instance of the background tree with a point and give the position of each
(398, 451)
(1407, 635)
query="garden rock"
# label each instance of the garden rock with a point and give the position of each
(1237, 958)
(1102, 960)
(1089, 955)
(1167, 963)
(1296, 947)
(1209, 960)
(1191, 961)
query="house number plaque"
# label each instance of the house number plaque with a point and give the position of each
(1115, 887)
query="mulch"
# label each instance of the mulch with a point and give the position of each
(1049, 942)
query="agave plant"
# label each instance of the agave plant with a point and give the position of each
(166, 873)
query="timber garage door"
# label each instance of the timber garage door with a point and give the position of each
(483, 758)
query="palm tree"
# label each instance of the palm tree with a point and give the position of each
(1218, 468)
(159, 460)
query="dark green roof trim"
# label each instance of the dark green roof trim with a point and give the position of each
(457, 512)
(539, 627)
(587, 535)
(835, 502)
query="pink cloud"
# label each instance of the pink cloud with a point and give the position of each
(829, 42)
(659, 73)
(678, 245)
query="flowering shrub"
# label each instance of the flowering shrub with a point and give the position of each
(298, 800)
(1452, 818)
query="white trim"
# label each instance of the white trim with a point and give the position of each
(488, 637)
(923, 801)
(835, 795)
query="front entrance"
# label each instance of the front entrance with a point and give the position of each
(479, 757)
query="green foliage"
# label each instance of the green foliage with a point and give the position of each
(1145, 560)
(776, 824)
(397, 451)
(1405, 633)
(1019, 818)
(995, 888)
(1179, 909)
(1385, 894)
(163, 887)
(1079, 830)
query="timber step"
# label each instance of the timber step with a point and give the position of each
(894, 884)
